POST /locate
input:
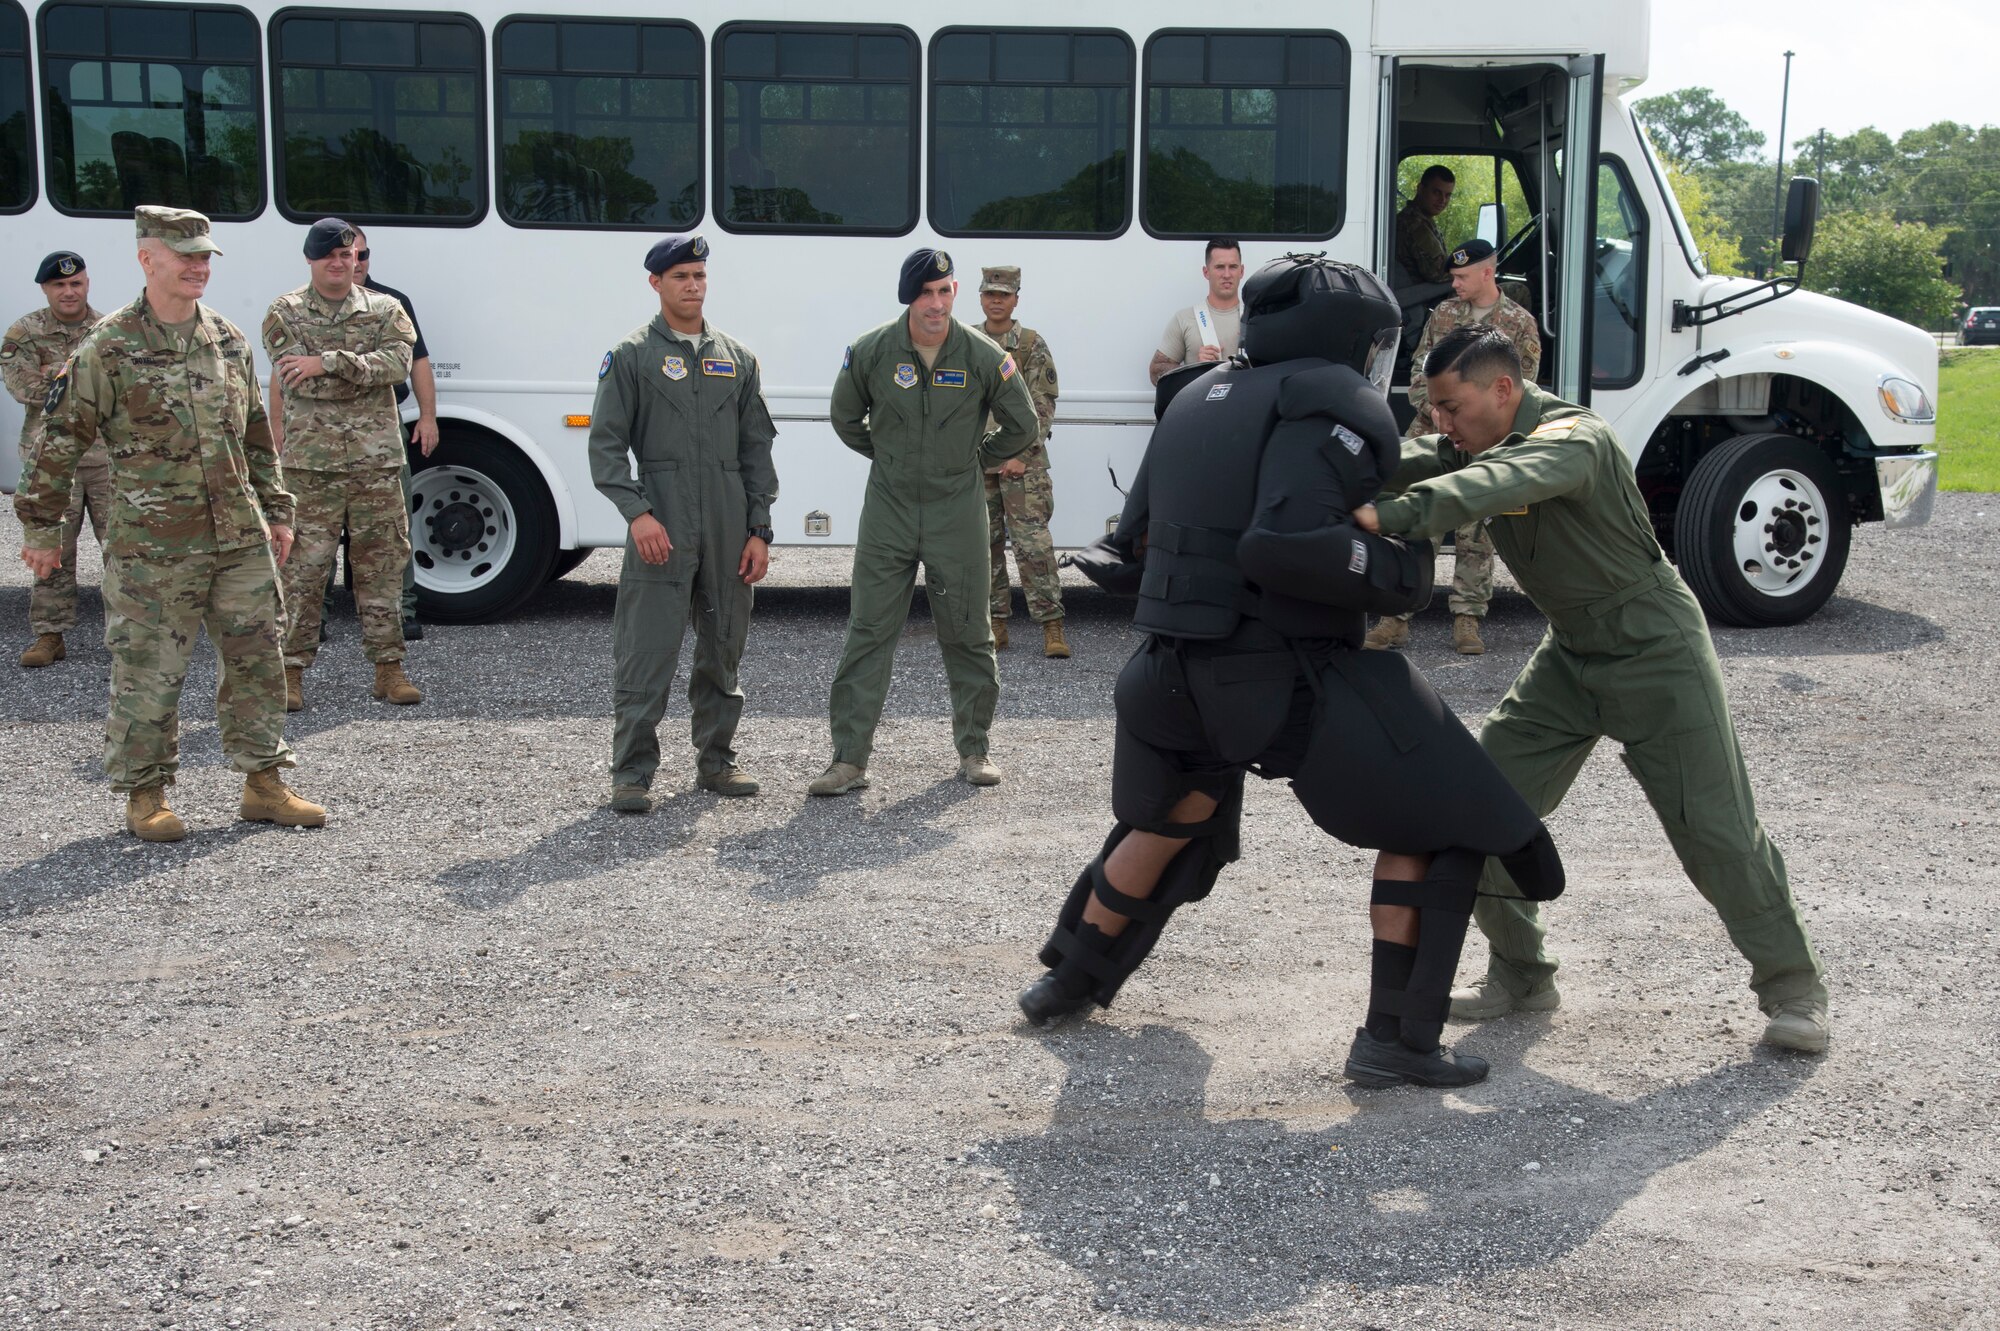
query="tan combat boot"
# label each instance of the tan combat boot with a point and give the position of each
(295, 688)
(999, 632)
(266, 799)
(392, 685)
(1052, 640)
(977, 769)
(47, 649)
(1465, 635)
(148, 817)
(1391, 632)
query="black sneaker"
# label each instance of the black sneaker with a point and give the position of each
(412, 631)
(1048, 999)
(1373, 1062)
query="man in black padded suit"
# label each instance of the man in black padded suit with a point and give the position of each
(1254, 587)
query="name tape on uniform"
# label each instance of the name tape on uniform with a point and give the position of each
(721, 369)
(947, 378)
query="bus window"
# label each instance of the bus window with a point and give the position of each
(1617, 281)
(817, 128)
(1031, 132)
(1246, 135)
(153, 104)
(600, 123)
(17, 159)
(380, 117)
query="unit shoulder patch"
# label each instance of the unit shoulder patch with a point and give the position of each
(1558, 429)
(57, 387)
(604, 366)
(906, 375)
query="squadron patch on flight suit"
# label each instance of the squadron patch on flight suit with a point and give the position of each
(604, 366)
(674, 367)
(906, 376)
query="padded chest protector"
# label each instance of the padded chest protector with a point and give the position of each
(1201, 487)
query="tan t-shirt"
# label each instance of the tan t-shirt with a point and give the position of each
(1183, 340)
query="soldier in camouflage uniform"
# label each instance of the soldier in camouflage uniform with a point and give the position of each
(1478, 301)
(198, 511)
(338, 351)
(1019, 496)
(33, 350)
(1419, 242)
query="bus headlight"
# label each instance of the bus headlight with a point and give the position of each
(1905, 401)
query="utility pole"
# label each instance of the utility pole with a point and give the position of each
(1778, 201)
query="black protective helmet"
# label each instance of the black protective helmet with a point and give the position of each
(1306, 306)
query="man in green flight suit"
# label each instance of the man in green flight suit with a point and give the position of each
(687, 402)
(912, 397)
(1627, 655)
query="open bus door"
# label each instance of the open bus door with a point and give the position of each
(1576, 252)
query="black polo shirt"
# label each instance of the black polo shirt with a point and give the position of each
(420, 352)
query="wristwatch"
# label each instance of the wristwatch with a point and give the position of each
(764, 534)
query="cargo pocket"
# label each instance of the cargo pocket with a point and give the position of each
(958, 612)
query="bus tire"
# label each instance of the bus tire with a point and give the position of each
(569, 561)
(1762, 530)
(482, 529)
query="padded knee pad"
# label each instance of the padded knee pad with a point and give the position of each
(1090, 962)
(1536, 868)
(1443, 901)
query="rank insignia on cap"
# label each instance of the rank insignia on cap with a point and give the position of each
(948, 378)
(674, 367)
(67, 267)
(720, 369)
(604, 366)
(1006, 367)
(906, 376)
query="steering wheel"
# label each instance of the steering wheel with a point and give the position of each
(1517, 242)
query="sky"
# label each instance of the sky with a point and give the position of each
(1896, 66)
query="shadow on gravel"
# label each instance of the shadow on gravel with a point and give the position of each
(1181, 1218)
(596, 843)
(825, 836)
(1843, 627)
(84, 869)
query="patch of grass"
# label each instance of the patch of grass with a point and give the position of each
(1968, 427)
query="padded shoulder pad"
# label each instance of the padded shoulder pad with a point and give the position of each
(1360, 415)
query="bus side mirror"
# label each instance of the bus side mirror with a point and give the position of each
(1801, 216)
(1492, 226)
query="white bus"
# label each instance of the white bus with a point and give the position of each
(511, 166)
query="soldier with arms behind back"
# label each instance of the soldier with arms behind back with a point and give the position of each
(34, 349)
(1019, 497)
(199, 523)
(687, 402)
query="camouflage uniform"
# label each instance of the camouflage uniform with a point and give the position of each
(1019, 507)
(33, 350)
(1472, 545)
(344, 454)
(1420, 245)
(194, 480)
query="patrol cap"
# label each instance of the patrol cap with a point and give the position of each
(327, 235)
(676, 249)
(63, 263)
(183, 230)
(1000, 279)
(923, 266)
(1471, 252)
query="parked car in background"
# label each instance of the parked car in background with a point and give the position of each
(1982, 325)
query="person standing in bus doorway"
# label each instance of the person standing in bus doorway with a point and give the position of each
(32, 353)
(1477, 301)
(1208, 331)
(686, 401)
(1419, 240)
(199, 524)
(1627, 656)
(913, 397)
(1019, 497)
(336, 352)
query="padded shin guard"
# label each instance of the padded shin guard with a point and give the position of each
(1443, 901)
(1078, 954)
(1536, 868)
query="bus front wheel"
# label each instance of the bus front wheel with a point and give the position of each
(1762, 530)
(482, 529)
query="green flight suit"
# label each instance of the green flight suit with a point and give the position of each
(924, 432)
(1627, 655)
(694, 418)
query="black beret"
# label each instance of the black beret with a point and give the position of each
(1471, 252)
(327, 235)
(63, 263)
(676, 249)
(922, 267)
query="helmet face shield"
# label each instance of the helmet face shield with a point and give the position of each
(1382, 358)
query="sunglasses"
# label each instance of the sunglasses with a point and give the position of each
(361, 256)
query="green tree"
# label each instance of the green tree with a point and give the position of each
(1717, 243)
(1696, 128)
(1888, 266)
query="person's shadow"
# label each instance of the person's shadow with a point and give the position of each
(1180, 1218)
(79, 870)
(599, 842)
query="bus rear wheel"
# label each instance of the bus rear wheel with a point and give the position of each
(1762, 530)
(482, 529)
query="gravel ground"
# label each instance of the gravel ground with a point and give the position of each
(483, 1054)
